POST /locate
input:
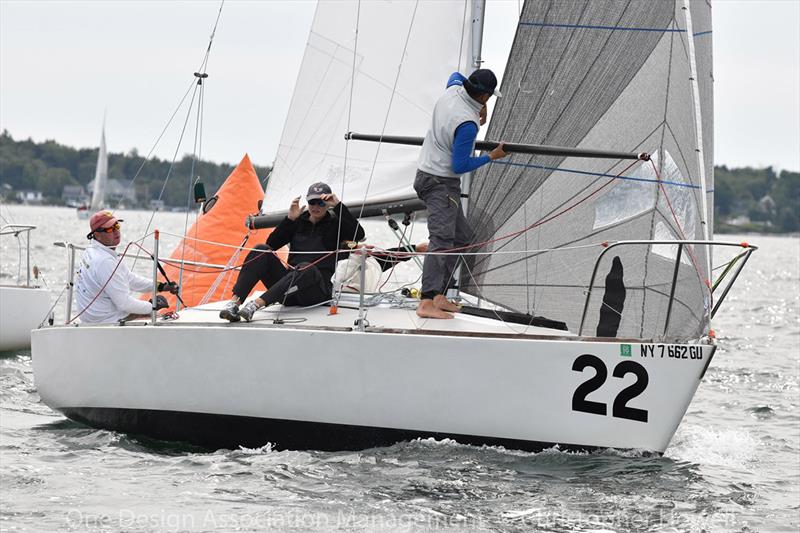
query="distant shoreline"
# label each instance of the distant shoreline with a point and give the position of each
(725, 229)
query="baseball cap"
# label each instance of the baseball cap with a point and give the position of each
(483, 80)
(317, 190)
(103, 219)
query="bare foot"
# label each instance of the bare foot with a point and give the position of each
(426, 309)
(445, 305)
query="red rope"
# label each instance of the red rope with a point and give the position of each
(680, 229)
(536, 224)
(545, 220)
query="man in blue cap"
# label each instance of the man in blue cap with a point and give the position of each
(447, 154)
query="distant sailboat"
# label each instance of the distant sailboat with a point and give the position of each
(100, 179)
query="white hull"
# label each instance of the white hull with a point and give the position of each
(328, 386)
(21, 310)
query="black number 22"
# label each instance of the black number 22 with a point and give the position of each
(620, 408)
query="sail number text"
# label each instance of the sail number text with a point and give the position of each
(620, 408)
(671, 351)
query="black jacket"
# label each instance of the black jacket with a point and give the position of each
(324, 236)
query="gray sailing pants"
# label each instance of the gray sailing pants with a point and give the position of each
(447, 228)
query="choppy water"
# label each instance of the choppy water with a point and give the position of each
(734, 464)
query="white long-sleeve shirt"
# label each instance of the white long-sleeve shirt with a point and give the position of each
(117, 299)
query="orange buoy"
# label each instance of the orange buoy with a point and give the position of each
(216, 236)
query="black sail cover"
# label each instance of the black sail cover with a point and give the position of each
(602, 74)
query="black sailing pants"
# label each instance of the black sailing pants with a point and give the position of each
(303, 286)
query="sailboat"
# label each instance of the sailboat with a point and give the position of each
(616, 254)
(100, 179)
(24, 305)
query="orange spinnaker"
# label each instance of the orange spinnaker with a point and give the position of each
(224, 223)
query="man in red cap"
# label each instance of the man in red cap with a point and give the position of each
(105, 287)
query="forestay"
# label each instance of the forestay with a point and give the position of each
(607, 75)
(368, 66)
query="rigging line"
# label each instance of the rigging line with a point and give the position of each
(578, 193)
(689, 250)
(461, 40)
(198, 127)
(544, 220)
(516, 96)
(623, 79)
(481, 296)
(368, 76)
(158, 140)
(389, 107)
(501, 196)
(600, 174)
(683, 237)
(225, 275)
(305, 147)
(172, 164)
(96, 296)
(388, 111)
(52, 307)
(338, 293)
(203, 66)
(204, 63)
(8, 220)
(551, 84)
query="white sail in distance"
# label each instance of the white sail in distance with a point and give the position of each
(614, 75)
(100, 174)
(372, 67)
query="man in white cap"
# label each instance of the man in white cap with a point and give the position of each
(447, 154)
(105, 287)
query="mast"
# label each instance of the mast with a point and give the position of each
(476, 40)
(698, 127)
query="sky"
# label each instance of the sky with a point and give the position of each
(65, 64)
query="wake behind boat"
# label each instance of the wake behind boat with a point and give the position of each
(618, 251)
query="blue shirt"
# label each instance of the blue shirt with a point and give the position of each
(464, 139)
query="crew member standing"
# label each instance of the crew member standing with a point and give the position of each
(447, 154)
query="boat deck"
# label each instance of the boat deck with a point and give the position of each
(395, 316)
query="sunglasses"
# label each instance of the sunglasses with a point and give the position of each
(109, 229)
(317, 201)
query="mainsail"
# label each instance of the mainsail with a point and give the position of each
(608, 75)
(100, 174)
(368, 66)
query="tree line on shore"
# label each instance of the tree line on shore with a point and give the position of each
(753, 199)
(48, 167)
